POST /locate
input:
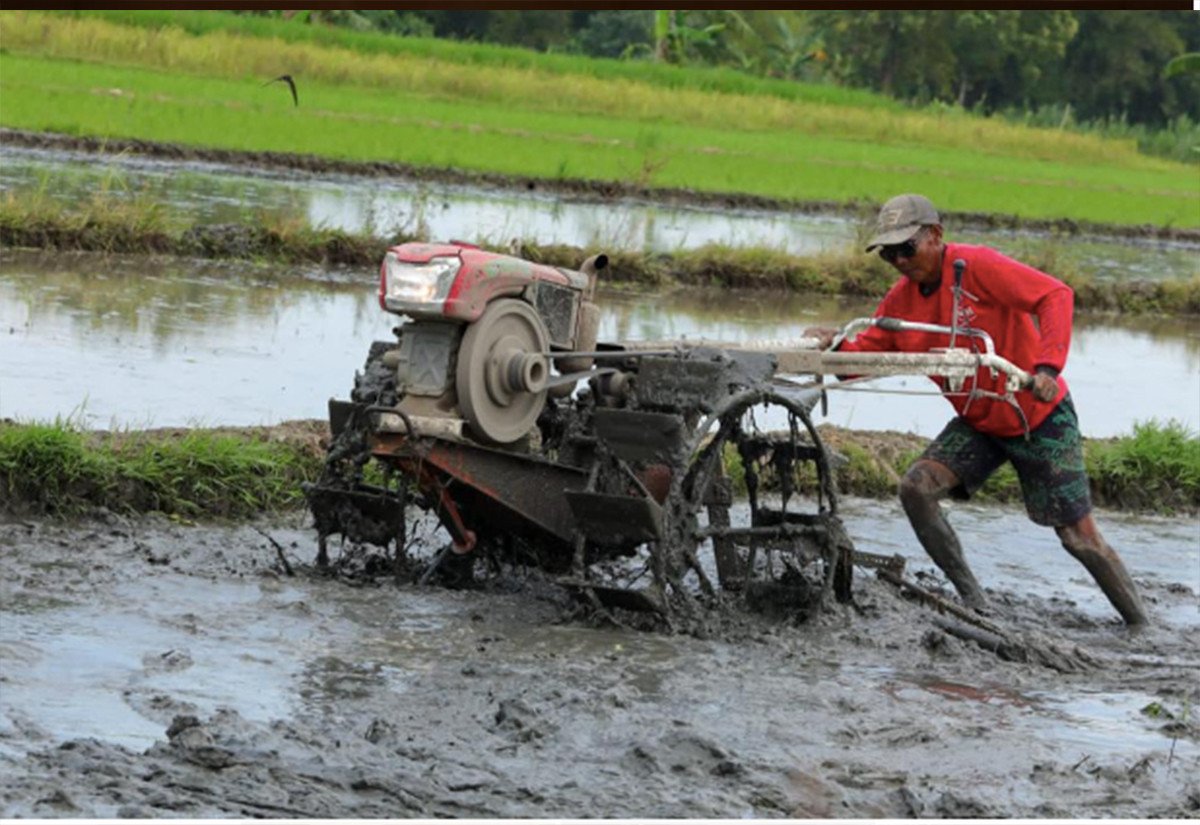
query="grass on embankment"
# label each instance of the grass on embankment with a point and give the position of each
(1156, 469)
(115, 225)
(57, 469)
(91, 77)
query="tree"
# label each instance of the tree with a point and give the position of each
(1001, 57)
(683, 36)
(540, 30)
(1114, 67)
(769, 43)
(459, 25)
(963, 56)
(877, 49)
(623, 33)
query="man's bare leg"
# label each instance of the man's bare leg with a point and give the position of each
(1083, 541)
(923, 486)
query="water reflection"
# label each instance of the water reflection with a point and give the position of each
(215, 193)
(163, 342)
(167, 302)
(172, 342)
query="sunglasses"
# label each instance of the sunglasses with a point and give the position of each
(901, 250)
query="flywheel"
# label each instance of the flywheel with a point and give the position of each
(501, 374)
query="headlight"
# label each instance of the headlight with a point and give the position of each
(406, 286)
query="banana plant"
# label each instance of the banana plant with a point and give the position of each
(1183, 64)
(673, 37)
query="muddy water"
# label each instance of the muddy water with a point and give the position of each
(165, 342)
(309, 697)
(208, 192)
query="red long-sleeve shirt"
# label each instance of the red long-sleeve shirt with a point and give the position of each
(999, 296)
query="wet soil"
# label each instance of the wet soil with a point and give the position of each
(577, 187)
(161, 669)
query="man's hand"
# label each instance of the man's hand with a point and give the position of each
(1044, 387)
(823, 334)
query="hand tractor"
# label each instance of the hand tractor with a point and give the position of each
(636, 474)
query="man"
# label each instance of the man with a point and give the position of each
(999, 296)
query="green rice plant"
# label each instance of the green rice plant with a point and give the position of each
(490, 56)
(1178, 140)
(214, 474)
(515, 138)
(1158, 467)
(30, 218)
(102, 222)
(221, 53)
(50, 467)
(59, 469)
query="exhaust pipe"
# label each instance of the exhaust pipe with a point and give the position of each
(587, 326)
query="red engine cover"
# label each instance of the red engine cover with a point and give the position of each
(484, 276)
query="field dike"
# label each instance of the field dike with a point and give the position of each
(242, 472)
(107, 224)
(604, 190)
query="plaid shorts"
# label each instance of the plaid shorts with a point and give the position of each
(1049, 465)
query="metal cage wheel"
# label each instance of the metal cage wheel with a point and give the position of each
(703, 485)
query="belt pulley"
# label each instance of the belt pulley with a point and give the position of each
(502, 373)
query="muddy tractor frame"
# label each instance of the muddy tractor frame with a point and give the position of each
(650, 476)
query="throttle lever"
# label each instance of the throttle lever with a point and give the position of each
(959, 266)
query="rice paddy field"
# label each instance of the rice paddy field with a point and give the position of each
(372, 97)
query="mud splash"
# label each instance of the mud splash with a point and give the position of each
(195, 679)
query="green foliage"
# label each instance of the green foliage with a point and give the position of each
(616, 34)
(49, 465)
(1114, 68)
(101, 223)
(204, 473)
(31, 219)
(965, 56)
(1156, 710)
(1183, 64)
(865, 475)
(540, 30)
(1158, 467)
(1176, 140)
(59, 469)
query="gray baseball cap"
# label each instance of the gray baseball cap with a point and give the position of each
(901, 218)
